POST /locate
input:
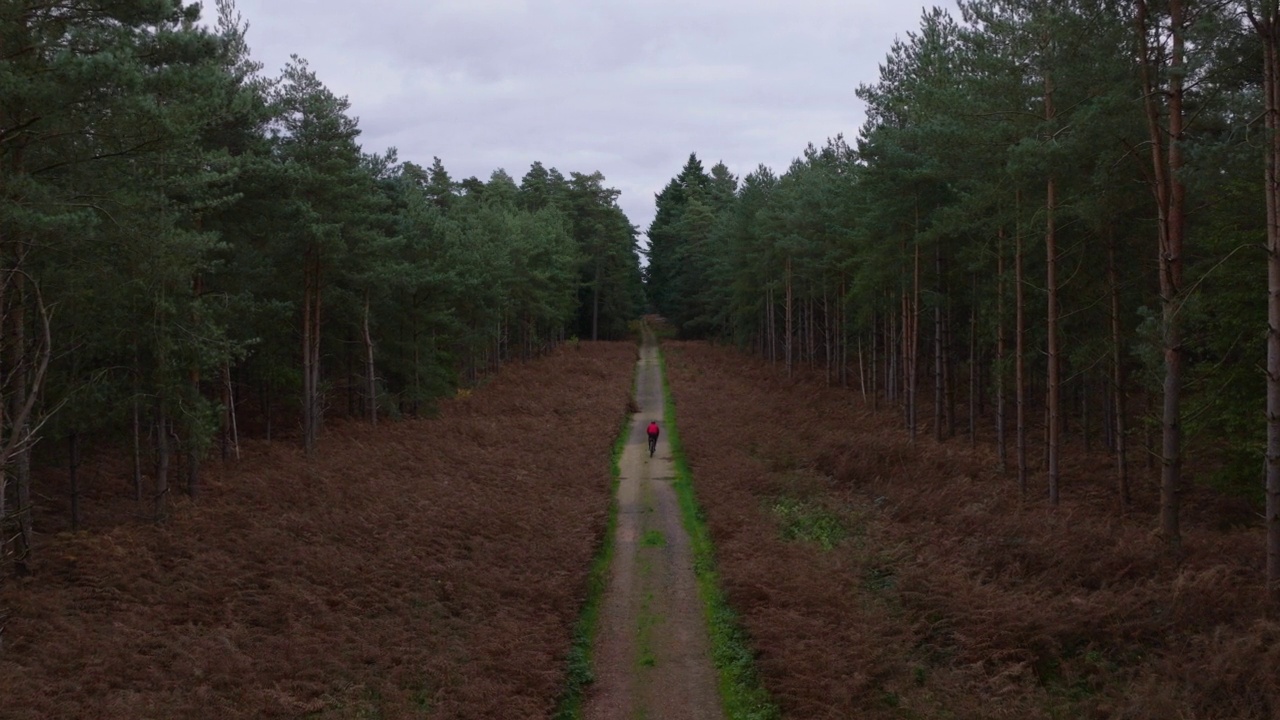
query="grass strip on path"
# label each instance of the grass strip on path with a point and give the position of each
(740, 689)
(578, 672)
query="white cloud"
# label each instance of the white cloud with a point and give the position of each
(628, 88)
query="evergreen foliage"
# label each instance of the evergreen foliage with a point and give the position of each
(211, 252)
(1014, 140)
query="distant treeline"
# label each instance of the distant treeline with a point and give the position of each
(189, 249)
(1059, 218)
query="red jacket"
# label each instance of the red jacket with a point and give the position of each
(653, 429)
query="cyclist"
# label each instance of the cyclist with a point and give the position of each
(653, 436)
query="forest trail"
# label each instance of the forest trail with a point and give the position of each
(652, 656)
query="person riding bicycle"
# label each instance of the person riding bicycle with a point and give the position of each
(653, 432)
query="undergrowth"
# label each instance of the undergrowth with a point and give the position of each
(740, 689)
(809, 522)
(951, 595)
(578, 672)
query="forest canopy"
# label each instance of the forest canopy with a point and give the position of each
(190, 249)
(1061, 215)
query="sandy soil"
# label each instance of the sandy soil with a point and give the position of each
(652, 656)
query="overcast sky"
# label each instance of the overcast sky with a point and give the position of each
(626, 87)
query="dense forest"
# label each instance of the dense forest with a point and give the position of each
(191, 250)
(1057, 226)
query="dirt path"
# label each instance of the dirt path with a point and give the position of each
(652, 658)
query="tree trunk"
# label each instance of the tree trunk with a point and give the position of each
(1167, 162)
(862, 371)
(1002, 442)
(949, 363)
(311, 410)
(350, 383)
(973, 366)
(137, 448)
(595, 303)
(193, 452)
(912, 369)
(19, 461)
(308, 392)
(266, 409)
(370, 373)
(229, 410)
(891, 355)
(1020, 375)
(875, 365)
(163, 453)
(1267, 24)
(790, 333)
(4, 473)
(811, 326)
(771, 319)
(193, 470)
(826, 336)
(1051, 290)
(938, 381)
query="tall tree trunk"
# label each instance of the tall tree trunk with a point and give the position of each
(370, 372)
(862, 371)
(1167, 163)
(875, 365)
(811, 330)
(350, 383)
(193, 452)
(417, 357)
(1267, 24)
(4, 473)
(1002, 442)
(790, 338)
(595, 302)
(194, 442)
(842, 332)
(311, 350)
(137, 437)
(772, 320)
(973, 366)
(1084, 412)
(938, 380)
(19, 461)
(163, 454)
(193, 469)
(891, 355)
(1051, 291)
(912, 370)
(1020, 342)
(949, 363)
(826, 336)
(308, 391)
(229, 409)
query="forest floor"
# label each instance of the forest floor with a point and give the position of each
(437, 568)
(881, 578)
(651, 656)
(431, 567)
